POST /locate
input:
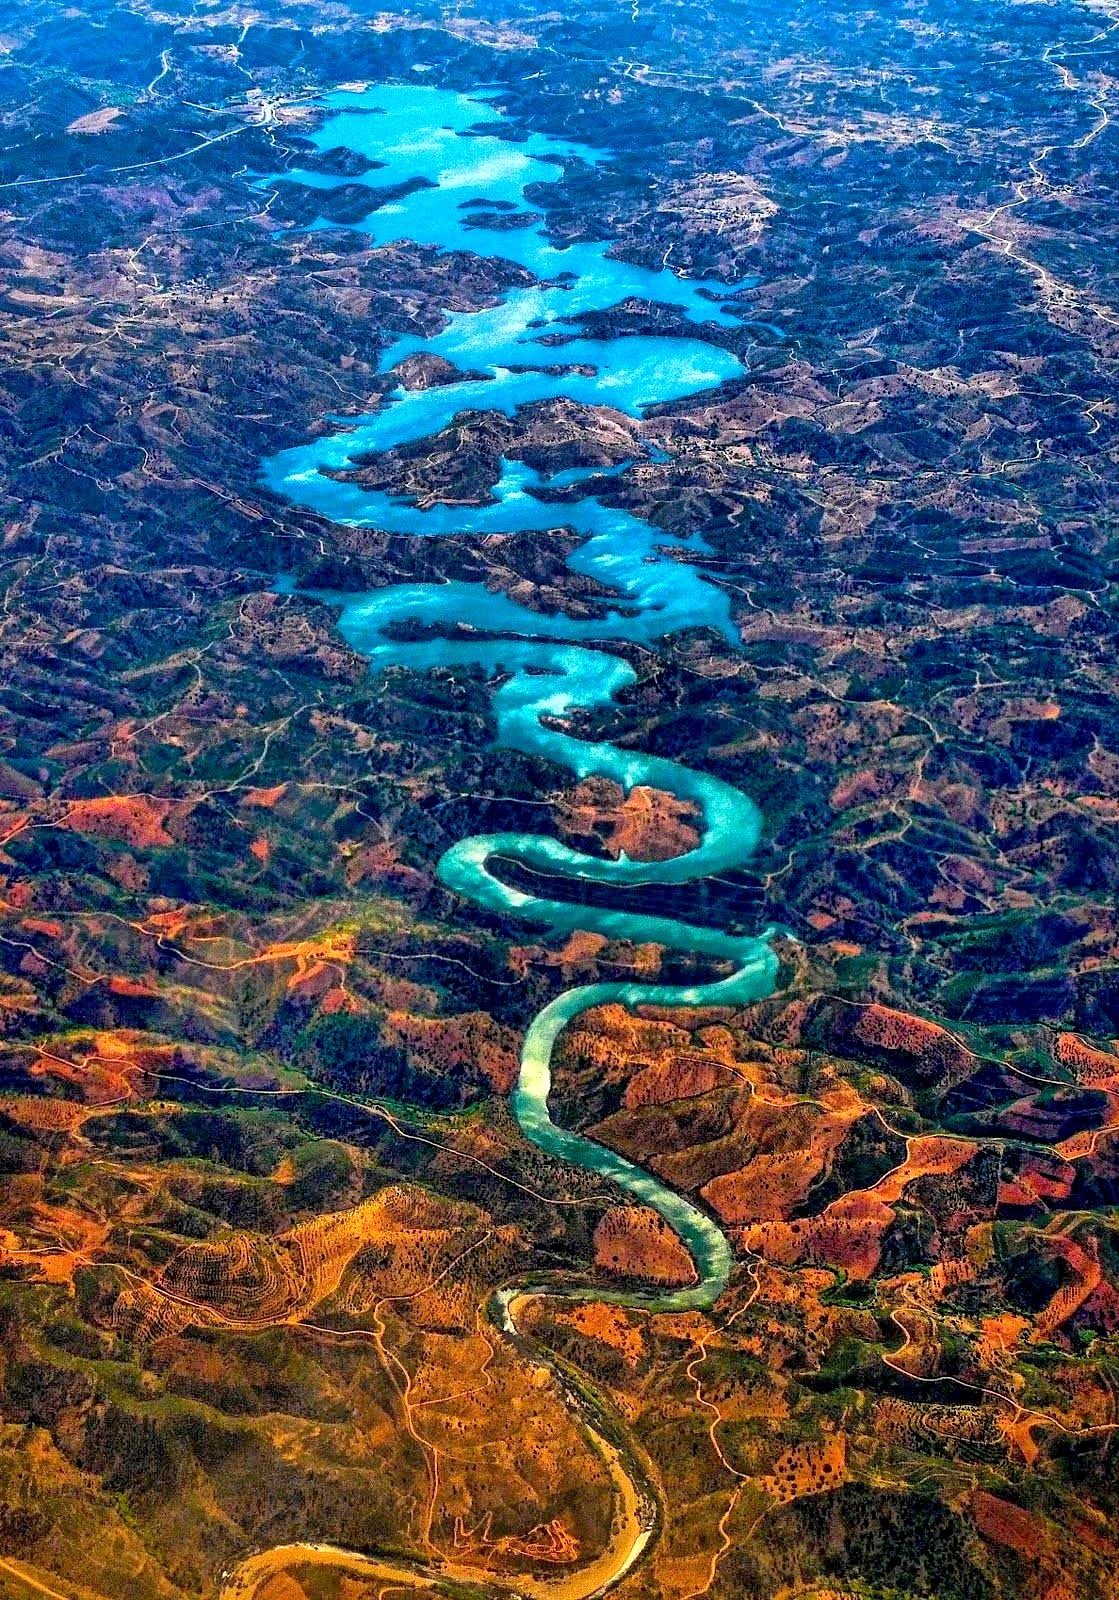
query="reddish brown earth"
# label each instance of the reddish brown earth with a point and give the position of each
(634, 1242)
(645, 824)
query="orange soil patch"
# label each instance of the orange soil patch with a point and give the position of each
(1001, 1333)
(655, 1058)
(264, 798)
(180, 920)
(581, 946)
(945, 1275)
(1044, 1176)
(809, 1468)
(1078, 1145)
(681, 1075)
(134, 819)
(98, 1086)
(613, 1038)
(1019, 1433)
(609, 1325)
(1087, 1275)
(764, 1191)
(110, 1068)
(260, 848)
(928, 1156)
(1007, 1524)
(281, 1586)
(849, 1236)
(133, 988)
(860, 788)
(42, 1115)
(54, 1242)
(859, 1206)
(1105, 807)
(645, 824)
(774, 1183)
(316, 959)
(312, 979)
(636, 1242)
(337, 1000)
(1097, 1068)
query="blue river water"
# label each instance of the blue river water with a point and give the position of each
(466, 167)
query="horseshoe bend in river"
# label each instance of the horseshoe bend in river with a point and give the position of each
(550, 665)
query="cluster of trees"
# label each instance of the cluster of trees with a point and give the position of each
(348, 1053)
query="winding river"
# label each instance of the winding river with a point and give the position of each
(469, 180)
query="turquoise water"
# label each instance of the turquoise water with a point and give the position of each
(656, 595)
(547, 665)
(435, 138)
